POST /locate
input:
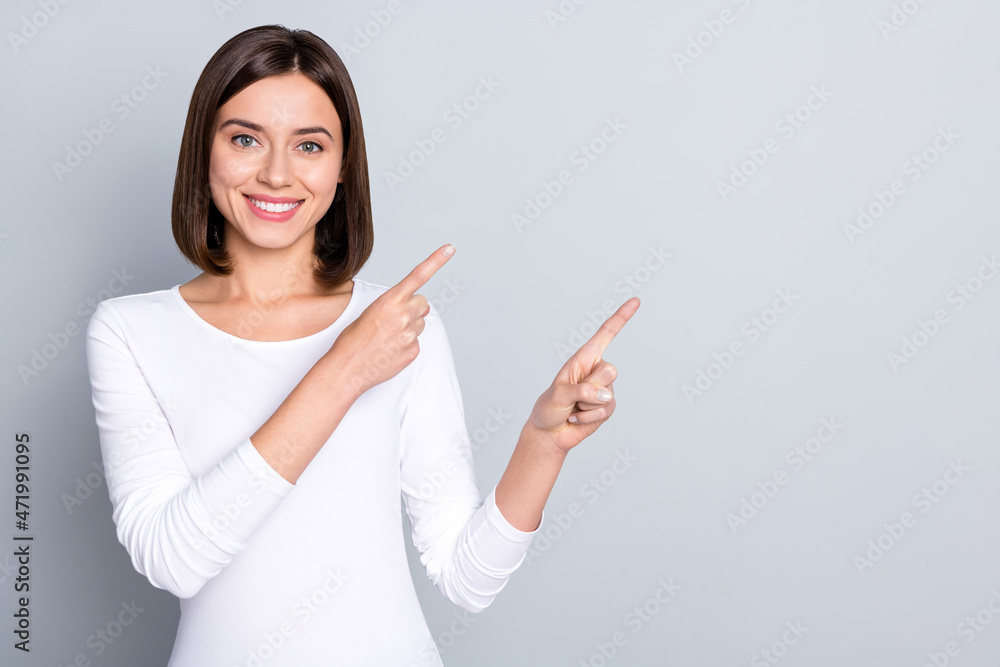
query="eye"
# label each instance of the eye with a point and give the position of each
(239, 140)
(316, 147)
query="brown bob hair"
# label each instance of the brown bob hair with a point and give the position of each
(344, 235)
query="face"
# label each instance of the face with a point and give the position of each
(278, 141)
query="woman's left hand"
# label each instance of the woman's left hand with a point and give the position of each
(577, 390)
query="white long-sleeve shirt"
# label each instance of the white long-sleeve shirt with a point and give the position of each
(271, 572)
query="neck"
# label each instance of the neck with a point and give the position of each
(266, 275)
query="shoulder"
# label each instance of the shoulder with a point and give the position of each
(116, 311)
(435, 344)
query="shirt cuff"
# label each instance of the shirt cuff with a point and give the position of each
(238, 496)
(504, 527)
(261, 470)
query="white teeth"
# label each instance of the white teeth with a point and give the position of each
(272, 207)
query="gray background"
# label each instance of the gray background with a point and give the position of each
(524, 293)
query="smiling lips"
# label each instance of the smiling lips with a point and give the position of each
(273, 207)
(276, 211)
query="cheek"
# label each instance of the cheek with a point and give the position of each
(321, 178)
(218, 185)
(227, 169)
(226, 172)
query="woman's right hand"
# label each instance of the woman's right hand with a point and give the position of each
(382, 341)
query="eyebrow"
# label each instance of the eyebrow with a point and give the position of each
(257, 128)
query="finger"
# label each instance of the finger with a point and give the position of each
(594, 348)
(586, 393)
(592, 400)
(423, 271)
(603, 373)
(590, 416)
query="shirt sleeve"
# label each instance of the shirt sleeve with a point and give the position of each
(467, 547)
(180, 531)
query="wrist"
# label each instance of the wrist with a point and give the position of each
(542, 443)
(344, 379)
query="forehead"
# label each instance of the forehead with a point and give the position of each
(281, 102)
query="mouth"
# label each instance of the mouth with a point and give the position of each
(271, 211)
(271, 207)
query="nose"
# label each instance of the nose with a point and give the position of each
(276, 170)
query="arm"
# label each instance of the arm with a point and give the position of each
(290, 439)
(374, 348)
(524, 488)
(579, 400)
(180, 531)
(467, 547)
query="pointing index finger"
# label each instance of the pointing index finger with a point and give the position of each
(423, 271)
(595, 347)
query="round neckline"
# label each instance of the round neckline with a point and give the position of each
(186, 307)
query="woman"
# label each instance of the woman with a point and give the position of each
(259, 423)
